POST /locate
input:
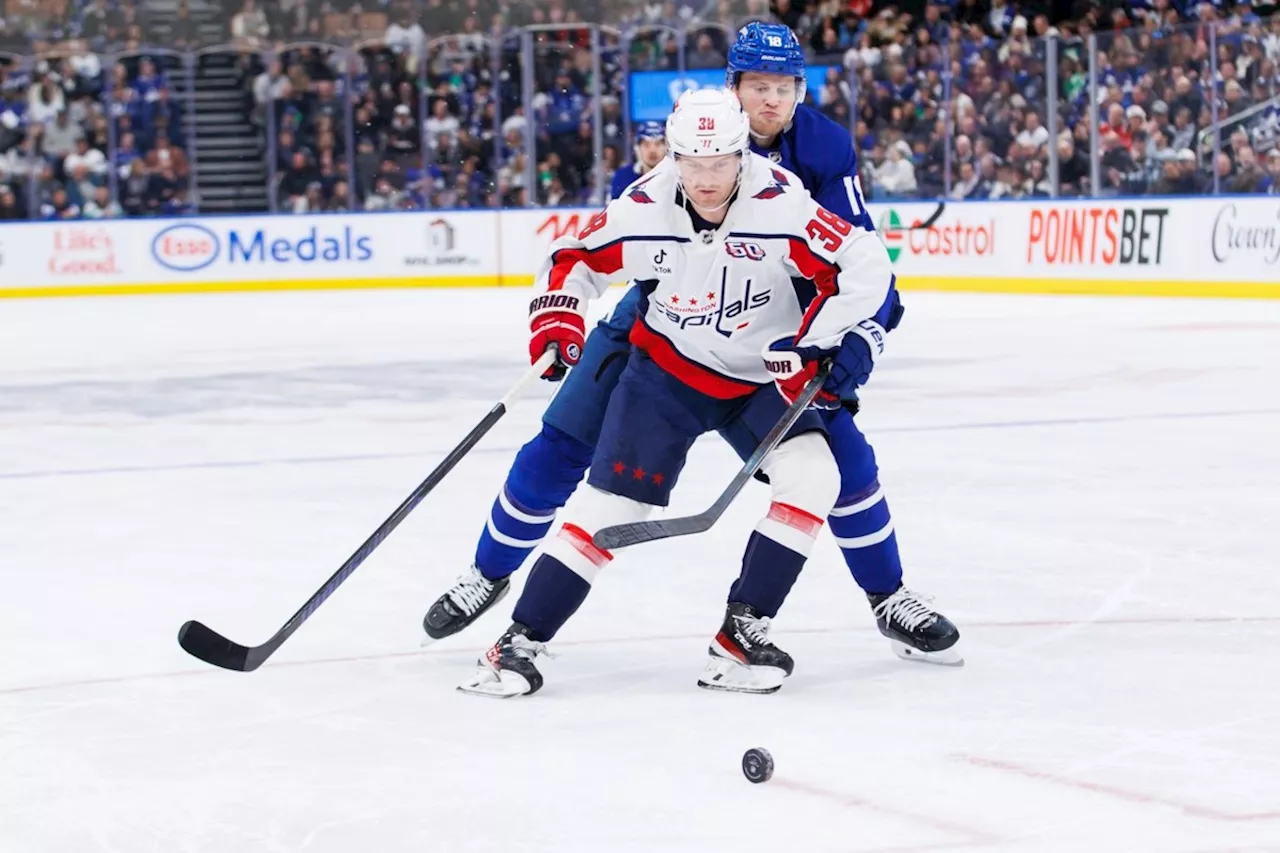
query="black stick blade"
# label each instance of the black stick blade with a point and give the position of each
(209, 646)
(639, 532)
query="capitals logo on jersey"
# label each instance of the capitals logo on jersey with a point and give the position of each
(724, 312)
(776, 188)
(638, 194)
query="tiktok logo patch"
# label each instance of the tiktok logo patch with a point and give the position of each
(659, 263)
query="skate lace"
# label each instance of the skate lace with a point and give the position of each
(471, 591)
(754, 628)
(907, 608)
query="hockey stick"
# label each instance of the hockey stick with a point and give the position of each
(211, 647)
(933, 217)
(635, 533)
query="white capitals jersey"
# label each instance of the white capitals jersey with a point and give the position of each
(717, 299)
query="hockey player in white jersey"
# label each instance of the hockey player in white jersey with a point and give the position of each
(724, 342)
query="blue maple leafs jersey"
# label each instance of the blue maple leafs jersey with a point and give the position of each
(822, 154)
(624, 177)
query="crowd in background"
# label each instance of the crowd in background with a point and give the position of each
(423, 108)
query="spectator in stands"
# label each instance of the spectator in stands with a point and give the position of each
(1236, 99)
(1224, 168)
(59, 206)
(249, 25)
(366, 167)
(1117, 166)
(133, 189)
(167, 154)
(61, 136)
(1037, 183)
(384, 197)
(896, 176)
(84, 159)
(184, 34)
(340, 199)
(1184, 130)
(313, 201)
(45, 99)
(102, 206)
(441, 123)
(1190, 168)
(405, 35)
(295, 181)
(1249, 176)
(148, 81)
(1171, 181)
(97, 22)
(328, 105)
(269, 85)
(1007, 183)
(705, 54)
(9, 208)
(967, 183)
(1273, 172)
(1073, 166)
(403, 139)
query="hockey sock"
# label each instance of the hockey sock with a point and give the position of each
(774, 557)
(559, 582)
(543, 476)
(864, 531)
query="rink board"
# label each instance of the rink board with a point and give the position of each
(1218, 247)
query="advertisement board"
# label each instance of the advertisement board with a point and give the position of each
(252, 253)
(1228, 246)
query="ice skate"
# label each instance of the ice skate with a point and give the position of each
(915, 630)
(465, 602)
(742, 658)
(507, 669)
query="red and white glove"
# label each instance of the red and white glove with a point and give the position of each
(556, 319)
(791, 371)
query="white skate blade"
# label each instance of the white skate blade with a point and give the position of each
(946, 657)
(730, 675)
(495, 685)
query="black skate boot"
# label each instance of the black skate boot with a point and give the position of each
(742, 658)
(465, 602)
(507, 669)
(915, 630)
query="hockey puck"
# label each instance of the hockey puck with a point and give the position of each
(757, 765)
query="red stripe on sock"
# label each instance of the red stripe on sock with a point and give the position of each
(807, 523)
(582, 543)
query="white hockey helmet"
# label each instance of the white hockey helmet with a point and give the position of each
(708, 123)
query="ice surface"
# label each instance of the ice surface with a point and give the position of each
(1088, 486)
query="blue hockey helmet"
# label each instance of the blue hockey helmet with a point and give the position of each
(766, 49)
(651, 130)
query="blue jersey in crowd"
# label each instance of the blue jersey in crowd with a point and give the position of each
(623, 178)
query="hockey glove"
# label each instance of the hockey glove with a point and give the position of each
(556, 320)
(792, 367)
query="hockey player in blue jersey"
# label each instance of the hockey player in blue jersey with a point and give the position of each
(650, 148)
(766, 70)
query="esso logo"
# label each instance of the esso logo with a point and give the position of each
(185, 247)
